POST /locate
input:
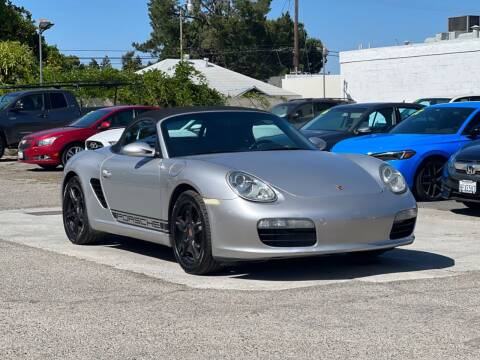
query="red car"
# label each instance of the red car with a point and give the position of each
(53, 147)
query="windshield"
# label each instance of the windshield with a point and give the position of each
(228, 132)
(280, 110)
(89, 119)
(336, 119)
(6, 100)
(434, 120)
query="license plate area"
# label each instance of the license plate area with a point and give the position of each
(467, 187)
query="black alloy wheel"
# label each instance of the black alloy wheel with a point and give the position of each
(428, 183)
(75, 219)
(190, 235)
(70, 151)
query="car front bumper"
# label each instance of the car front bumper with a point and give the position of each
(39, 155)
(450, 188)
(342, 224)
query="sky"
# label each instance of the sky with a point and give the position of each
(340, 24)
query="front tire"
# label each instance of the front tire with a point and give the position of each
(3, 145)
(428, 182)
(75, 217)
(190, 235)
(70, 151)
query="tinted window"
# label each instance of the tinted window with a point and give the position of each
(432, 101)
(142, 131)
(474, 98)
(32, 102)
(281, 110)
(379, 120)
(406, 112)
(208, 133)
(58, 101)
(336, 119)
(304, 112)
(447, 120)
(121, 119)
(6, 100)
(319, 108)
(474, 123)
(138, 112)
(91, 118)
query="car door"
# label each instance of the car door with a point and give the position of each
(28, 115)
(132, 184)
(58, 111)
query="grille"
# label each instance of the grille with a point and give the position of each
(97, 188)
(288, 237)
(402, 229)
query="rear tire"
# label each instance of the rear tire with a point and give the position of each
(472, 205)
(190, 235)
(70, 151)
(428, 182)
(75, 217)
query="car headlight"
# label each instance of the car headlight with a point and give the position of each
(250, 187)
(394, 155)
(47, 141)
(393, 179)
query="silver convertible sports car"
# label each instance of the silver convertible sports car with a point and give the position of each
(231, 184)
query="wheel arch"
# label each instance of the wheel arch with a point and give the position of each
(431, 156)
(179, 189)
(67, 178)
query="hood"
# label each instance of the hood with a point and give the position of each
(377, 143)
(53, 132)
(305, 173)
(470, 152)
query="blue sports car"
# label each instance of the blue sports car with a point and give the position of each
(420, 146)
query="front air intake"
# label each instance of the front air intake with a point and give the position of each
(97, 189)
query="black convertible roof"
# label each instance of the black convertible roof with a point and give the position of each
(159, 115)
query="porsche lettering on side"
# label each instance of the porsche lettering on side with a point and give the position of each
(230, 184)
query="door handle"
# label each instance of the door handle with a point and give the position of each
(43, 116)
(106, 173)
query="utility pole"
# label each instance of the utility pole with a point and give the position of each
(43, 25)
(324, 62)
(295, 40)
(181, 34)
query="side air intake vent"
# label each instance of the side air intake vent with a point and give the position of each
(97, 188)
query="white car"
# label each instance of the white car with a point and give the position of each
(103, 139)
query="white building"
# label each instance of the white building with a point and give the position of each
(311, 85)
(447, 65)
(233, 85)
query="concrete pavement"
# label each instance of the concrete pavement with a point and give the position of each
(446, 245)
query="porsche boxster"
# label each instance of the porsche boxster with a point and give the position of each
(228, 184)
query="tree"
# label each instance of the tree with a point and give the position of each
(235, 34)
(17, 25)
(130, 62)
(16, 63)
(106, 63)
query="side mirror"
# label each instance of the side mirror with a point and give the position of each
(363, 130)
(474, 133)
(138, 149)
(318, 142)
(104, 125)
(18, 106)
(295, 116)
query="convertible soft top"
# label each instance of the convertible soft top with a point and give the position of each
(161, 114)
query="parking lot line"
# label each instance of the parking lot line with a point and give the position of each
(446, 245)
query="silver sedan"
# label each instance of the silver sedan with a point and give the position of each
(231, 184)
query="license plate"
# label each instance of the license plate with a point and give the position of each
(20, 155)
(467, 187)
